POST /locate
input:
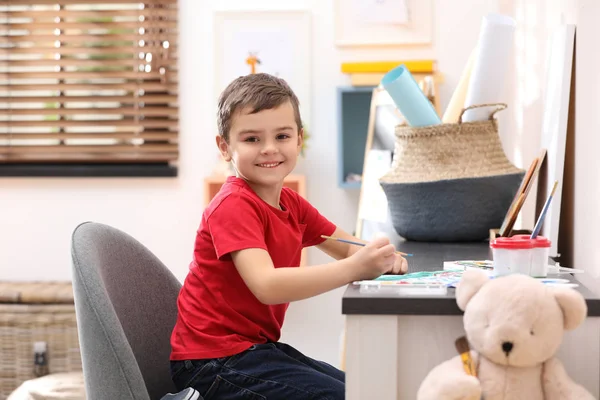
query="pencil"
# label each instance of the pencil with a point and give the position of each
(540, 221)
(359, 244)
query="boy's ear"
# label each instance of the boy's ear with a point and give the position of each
(223, 148)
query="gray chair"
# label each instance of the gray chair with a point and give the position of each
(126, 307)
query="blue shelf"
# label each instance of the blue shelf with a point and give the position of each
(354, 104)
(350, 185)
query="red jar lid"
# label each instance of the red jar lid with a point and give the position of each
(512, 243)
(539, 241)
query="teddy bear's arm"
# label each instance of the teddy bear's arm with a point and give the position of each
(449, 381)
(559, 386)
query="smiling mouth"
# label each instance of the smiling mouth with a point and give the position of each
(269, 165)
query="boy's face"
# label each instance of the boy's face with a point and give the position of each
(263, 147)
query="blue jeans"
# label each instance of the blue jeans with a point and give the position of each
(274, 371)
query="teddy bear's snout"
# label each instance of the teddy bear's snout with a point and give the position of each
(507, 347)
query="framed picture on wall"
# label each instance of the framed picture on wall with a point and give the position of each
(275, 42)
(383, 22)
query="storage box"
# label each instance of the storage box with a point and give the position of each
(33, 312)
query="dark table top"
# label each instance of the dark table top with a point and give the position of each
(430, 257)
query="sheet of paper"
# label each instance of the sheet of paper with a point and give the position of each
(457, 101)
(488, 77)
(444, 278)
(373, 203)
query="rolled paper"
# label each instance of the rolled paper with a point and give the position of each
(488, 77)
(414, 105)
(457, 101)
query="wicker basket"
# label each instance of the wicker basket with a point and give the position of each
(450, 182)
(36, 312)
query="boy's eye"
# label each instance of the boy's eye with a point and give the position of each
(283, 136)
(251, 139)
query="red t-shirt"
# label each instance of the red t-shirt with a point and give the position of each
(218, 315)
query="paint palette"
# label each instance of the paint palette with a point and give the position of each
(429, 280)
(412, 289)
(436, 278)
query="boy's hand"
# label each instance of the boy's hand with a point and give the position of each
(400, 265)
(374, 259)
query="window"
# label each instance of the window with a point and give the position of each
(88, 87)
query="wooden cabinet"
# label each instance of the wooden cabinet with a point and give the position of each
(295, 182)
(212, 185)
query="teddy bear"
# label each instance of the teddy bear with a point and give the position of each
(514, 325)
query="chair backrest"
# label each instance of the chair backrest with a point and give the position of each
(126, 307)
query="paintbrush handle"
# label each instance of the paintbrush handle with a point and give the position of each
(540, 221)
(468, 364)
(345, 241)
(538, 225)
(358, 244)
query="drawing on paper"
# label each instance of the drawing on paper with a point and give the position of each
(252, 60)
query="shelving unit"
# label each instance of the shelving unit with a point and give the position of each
(353, 120)
(354, 113)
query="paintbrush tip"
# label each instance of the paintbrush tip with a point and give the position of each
(554, 187)
(462, 345)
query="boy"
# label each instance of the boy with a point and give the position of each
(246, 257)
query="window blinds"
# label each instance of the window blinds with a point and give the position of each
(86, 81)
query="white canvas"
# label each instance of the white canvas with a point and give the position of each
(554, 126)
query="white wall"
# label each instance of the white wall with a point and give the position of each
(38, 215)
(580, 213)
(521, 125)
(583, 248)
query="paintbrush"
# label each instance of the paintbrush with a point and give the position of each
(358, 244)
(462, 346)
(540, 221)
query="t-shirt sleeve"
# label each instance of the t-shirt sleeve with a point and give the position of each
(316, 224)
(236, 224)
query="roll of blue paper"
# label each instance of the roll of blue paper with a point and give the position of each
(409, 98)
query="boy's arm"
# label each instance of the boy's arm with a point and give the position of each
(340, 250)
(273, 285)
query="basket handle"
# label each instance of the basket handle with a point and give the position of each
(499, 107)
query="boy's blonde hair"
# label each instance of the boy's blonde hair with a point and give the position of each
(260, 92)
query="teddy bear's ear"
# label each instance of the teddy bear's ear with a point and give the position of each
(573, 307)
(470, 283)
